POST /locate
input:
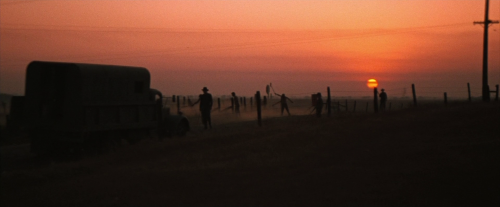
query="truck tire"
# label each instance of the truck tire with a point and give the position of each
(181, 129)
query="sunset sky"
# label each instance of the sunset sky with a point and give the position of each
(301, 46)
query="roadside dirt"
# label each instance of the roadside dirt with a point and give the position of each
(437, 156)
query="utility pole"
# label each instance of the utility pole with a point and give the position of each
(487, 22)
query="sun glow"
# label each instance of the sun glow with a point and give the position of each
(372, 83)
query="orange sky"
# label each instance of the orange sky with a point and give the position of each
(301, 46)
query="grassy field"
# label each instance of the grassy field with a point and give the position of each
(432, 156)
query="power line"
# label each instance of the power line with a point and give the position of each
(215, 48)
(19, 2)
(111, 29)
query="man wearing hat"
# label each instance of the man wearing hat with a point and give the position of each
(206, 103)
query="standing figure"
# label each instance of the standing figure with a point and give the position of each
(284, 104)
(383, 100)
(236, 103)
(206, 103)
(319, 105)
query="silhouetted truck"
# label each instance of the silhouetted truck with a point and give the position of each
(80, 105)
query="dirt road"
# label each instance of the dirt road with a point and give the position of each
(425, 156)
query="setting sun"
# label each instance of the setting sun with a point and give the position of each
(372, 83)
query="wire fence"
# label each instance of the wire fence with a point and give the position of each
(303, 105)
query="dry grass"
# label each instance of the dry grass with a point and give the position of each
(426, 156)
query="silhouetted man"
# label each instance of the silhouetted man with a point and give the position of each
(284, 104)
(383, 100)
(206, 103)
(236, 103)
(319, 104)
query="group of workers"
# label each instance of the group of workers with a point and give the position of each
(206, 102)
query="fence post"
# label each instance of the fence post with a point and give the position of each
(468, 89)
(496, 94)
(232, 104)
(259, 115)
(375, 100)
(178, 104)
(218, 104)
(173, 98)
(328, 101)
(245, 102)
(183, 100)
(445, 99)
(414, 95)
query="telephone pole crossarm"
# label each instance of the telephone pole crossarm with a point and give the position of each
(489, 22)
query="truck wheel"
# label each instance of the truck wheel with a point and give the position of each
(181, 129)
